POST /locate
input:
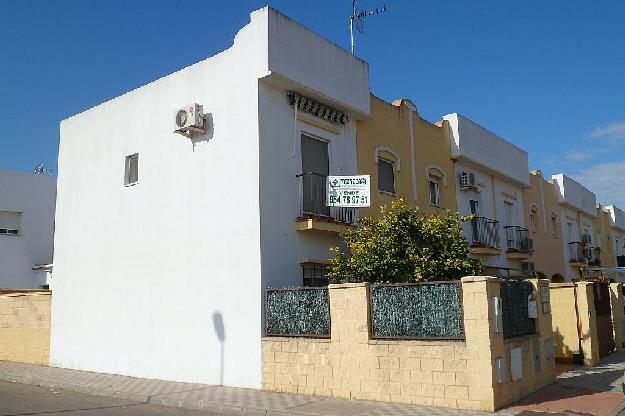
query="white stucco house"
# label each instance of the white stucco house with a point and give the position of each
(491, 174)
(165, 243)
(578, 210)
(26, 228)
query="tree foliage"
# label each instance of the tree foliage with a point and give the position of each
(404, 245)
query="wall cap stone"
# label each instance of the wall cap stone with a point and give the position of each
(290, 339)
(469, 279)
(418, 342)
(557, 285)
(347, 285)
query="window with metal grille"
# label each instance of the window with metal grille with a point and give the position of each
(314, 274)
(10, 223)
(386, 176)
(131, 175)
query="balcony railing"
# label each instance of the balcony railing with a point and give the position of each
(593, 255)
(576, 253)
(518, 239)
(312, 197)
(484, 232)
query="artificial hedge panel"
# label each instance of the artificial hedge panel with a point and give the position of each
(514, 298)
(417, 311)
(299, 312)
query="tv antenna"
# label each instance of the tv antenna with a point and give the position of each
(357, 20)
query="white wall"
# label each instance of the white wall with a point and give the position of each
(618, 216)
(145, 275)
(142, 272)
(316, 64)
(491, 193)
(282, 246)
(576, 195)
(479, 145)
(33, 196)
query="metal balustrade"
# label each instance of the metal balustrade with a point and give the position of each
(312, 196)
(518, 239)
(484, 232)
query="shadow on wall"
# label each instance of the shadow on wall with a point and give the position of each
(208, 135)
(562, 352)
(220, 331)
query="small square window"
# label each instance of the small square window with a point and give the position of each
(131, 175)
(314, 274)
(435, 193)
(386, 176)
(10, 223)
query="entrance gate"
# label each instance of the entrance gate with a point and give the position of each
(604, 319)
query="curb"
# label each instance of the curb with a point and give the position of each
(618, 410)
(213, 408)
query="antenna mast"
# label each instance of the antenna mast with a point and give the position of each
(357, 20)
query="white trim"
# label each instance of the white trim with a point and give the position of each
(376, 156)
(437, 168)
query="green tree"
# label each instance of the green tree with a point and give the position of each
(404, 245)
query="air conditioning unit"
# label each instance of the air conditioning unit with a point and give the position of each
(189, 119)
(528, 268)
(467, 181)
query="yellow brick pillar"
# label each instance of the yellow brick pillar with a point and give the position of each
(618, 314)
(544, 327)
(481, 335)
(588, 320)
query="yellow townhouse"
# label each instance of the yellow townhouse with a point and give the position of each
(406, 156)
(542, 216)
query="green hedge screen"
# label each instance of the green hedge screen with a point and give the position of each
(297, 312)
(418, 311)
(514, 297)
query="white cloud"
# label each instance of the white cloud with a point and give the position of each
(607, 181)
(615, 130)
(577, 156)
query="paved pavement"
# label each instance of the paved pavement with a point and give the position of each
(217, 400)
(22, 399)
(582, 391)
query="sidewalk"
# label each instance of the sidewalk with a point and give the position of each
(584, 390)
(215, 399)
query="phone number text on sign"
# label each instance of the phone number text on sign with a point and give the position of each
(349, 191)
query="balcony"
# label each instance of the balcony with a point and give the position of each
(484, 236)
(593, 255)
(315, 215)
(519, 244)
(576, 254)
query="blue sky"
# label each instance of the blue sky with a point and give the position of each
(547, 75)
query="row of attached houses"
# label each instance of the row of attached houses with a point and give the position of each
(164, 244)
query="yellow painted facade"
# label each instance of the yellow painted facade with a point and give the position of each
(542, 218)
(418, 150)
(602, 225)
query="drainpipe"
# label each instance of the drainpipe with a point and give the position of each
(542, 201)
(412, 108)
(579, 322)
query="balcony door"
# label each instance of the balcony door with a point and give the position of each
(315, 170)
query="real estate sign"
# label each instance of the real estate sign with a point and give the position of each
(349, 191)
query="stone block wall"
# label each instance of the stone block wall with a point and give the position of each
(25, 326)
(565, 321)
(458, 374)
